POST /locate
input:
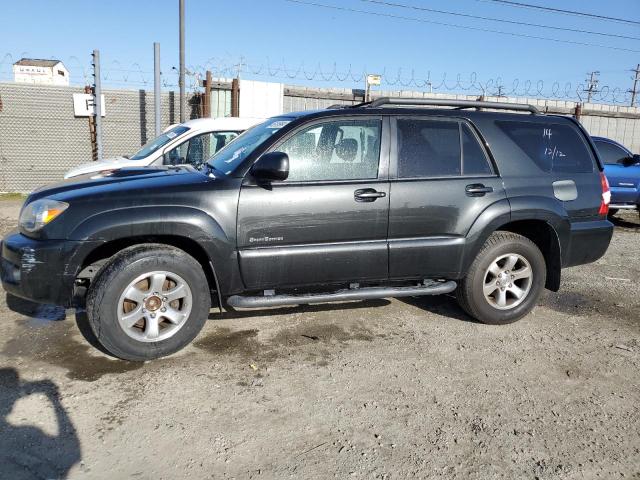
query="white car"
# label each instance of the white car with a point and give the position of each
(191, 142)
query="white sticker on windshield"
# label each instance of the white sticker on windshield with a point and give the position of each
(278, 124)
(171, 135)
(236, 154)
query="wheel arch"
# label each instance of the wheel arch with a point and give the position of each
(102, 253)
(210, 241)
(546, 239)
(540, 219)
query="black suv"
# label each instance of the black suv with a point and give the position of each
(391, 198)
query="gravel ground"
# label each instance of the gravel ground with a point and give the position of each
(379, 389)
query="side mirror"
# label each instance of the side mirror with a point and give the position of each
(271, 166)
(628, 161)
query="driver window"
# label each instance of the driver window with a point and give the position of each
(338, 150)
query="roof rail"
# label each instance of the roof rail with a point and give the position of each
(437, 102)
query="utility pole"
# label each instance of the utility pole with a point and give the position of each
(156, 86)
(207, 94)
(97, 101)
(634, 90)
(592, 85)
(183, 100)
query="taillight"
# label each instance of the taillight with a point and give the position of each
(606, 195)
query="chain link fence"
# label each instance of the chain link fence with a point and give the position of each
(40, 138)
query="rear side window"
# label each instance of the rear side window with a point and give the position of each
(553, 147)
(611, 154)
(436, 148)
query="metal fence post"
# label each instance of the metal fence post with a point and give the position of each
(156, 87)
(97, 109)
(183, 100)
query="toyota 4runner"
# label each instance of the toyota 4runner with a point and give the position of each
(391, 198)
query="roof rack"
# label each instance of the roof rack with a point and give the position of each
(437, 102)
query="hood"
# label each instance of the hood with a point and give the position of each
(106, 164)
(129, 180)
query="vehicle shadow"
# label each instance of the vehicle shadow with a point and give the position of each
(229, 313)
(629, 222)
(445, 305)
(38, 311)
(27, 451)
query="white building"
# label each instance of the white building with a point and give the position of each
(40, 72)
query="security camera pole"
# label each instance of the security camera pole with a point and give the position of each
(372, 79)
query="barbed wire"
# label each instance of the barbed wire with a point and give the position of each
(115, 73)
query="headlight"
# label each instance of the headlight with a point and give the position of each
(37, 214)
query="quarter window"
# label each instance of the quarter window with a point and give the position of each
(474, 159)
(437, 148)
(338, 150)
(553, 147)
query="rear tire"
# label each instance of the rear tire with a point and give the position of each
(147, 302)
(504, 281)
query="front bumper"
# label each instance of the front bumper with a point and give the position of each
(43, 271)
(588, 241)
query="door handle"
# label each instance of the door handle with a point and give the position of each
(477, 190)
(368, 195)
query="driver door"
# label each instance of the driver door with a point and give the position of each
(315, 228)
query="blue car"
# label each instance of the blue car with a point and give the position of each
(622, 169)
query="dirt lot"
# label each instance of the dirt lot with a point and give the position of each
(379, 389)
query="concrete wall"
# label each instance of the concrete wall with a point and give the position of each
(620, 123)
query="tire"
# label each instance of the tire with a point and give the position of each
(137, 273)
(494, 308)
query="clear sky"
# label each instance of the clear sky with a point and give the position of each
(221, 34)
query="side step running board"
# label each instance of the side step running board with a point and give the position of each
(366, 293)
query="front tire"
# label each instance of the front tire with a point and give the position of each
(504, 281)
(148, 301)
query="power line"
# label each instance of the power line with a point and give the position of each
(560, 10)
(501, 20)
(454, 25)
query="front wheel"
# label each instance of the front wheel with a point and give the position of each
(149, 301)
(505, 280)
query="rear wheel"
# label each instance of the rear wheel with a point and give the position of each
(149, 301)
(505, 280)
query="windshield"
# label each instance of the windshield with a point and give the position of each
(159, 142)
(232, 155)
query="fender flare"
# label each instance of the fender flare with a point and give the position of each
(505, 212)
(164, 221)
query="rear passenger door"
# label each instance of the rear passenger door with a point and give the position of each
(441, 180)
